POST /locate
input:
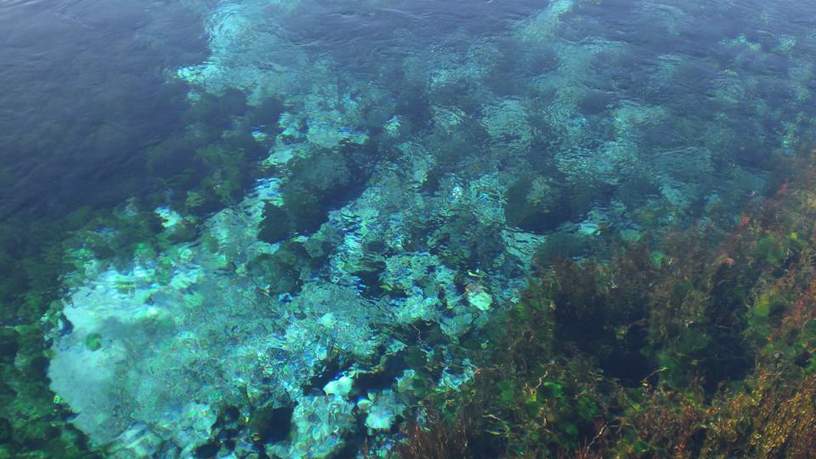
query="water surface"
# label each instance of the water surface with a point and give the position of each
(280, 227)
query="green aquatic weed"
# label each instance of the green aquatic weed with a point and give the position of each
(93, 341)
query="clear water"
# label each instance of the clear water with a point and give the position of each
(85, 90)
(282, 201)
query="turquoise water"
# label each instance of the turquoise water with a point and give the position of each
(266, 210)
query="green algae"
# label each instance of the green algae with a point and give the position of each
(543, 394)
(94, 341)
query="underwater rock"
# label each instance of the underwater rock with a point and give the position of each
(319, 424)
(543, 26)
(137, 442)
(383, 410)
(341, 386)
(169, 217)
(589, 229)
(507, 126)
(478, 297)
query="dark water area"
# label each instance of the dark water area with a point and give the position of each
(87, 87)
(313, 228)
(400, 27)
(85, 90)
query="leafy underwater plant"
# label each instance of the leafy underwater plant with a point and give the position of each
(727, 336)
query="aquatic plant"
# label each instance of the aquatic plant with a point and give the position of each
(701, 349)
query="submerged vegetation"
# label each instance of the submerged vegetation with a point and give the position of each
(697, 345)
